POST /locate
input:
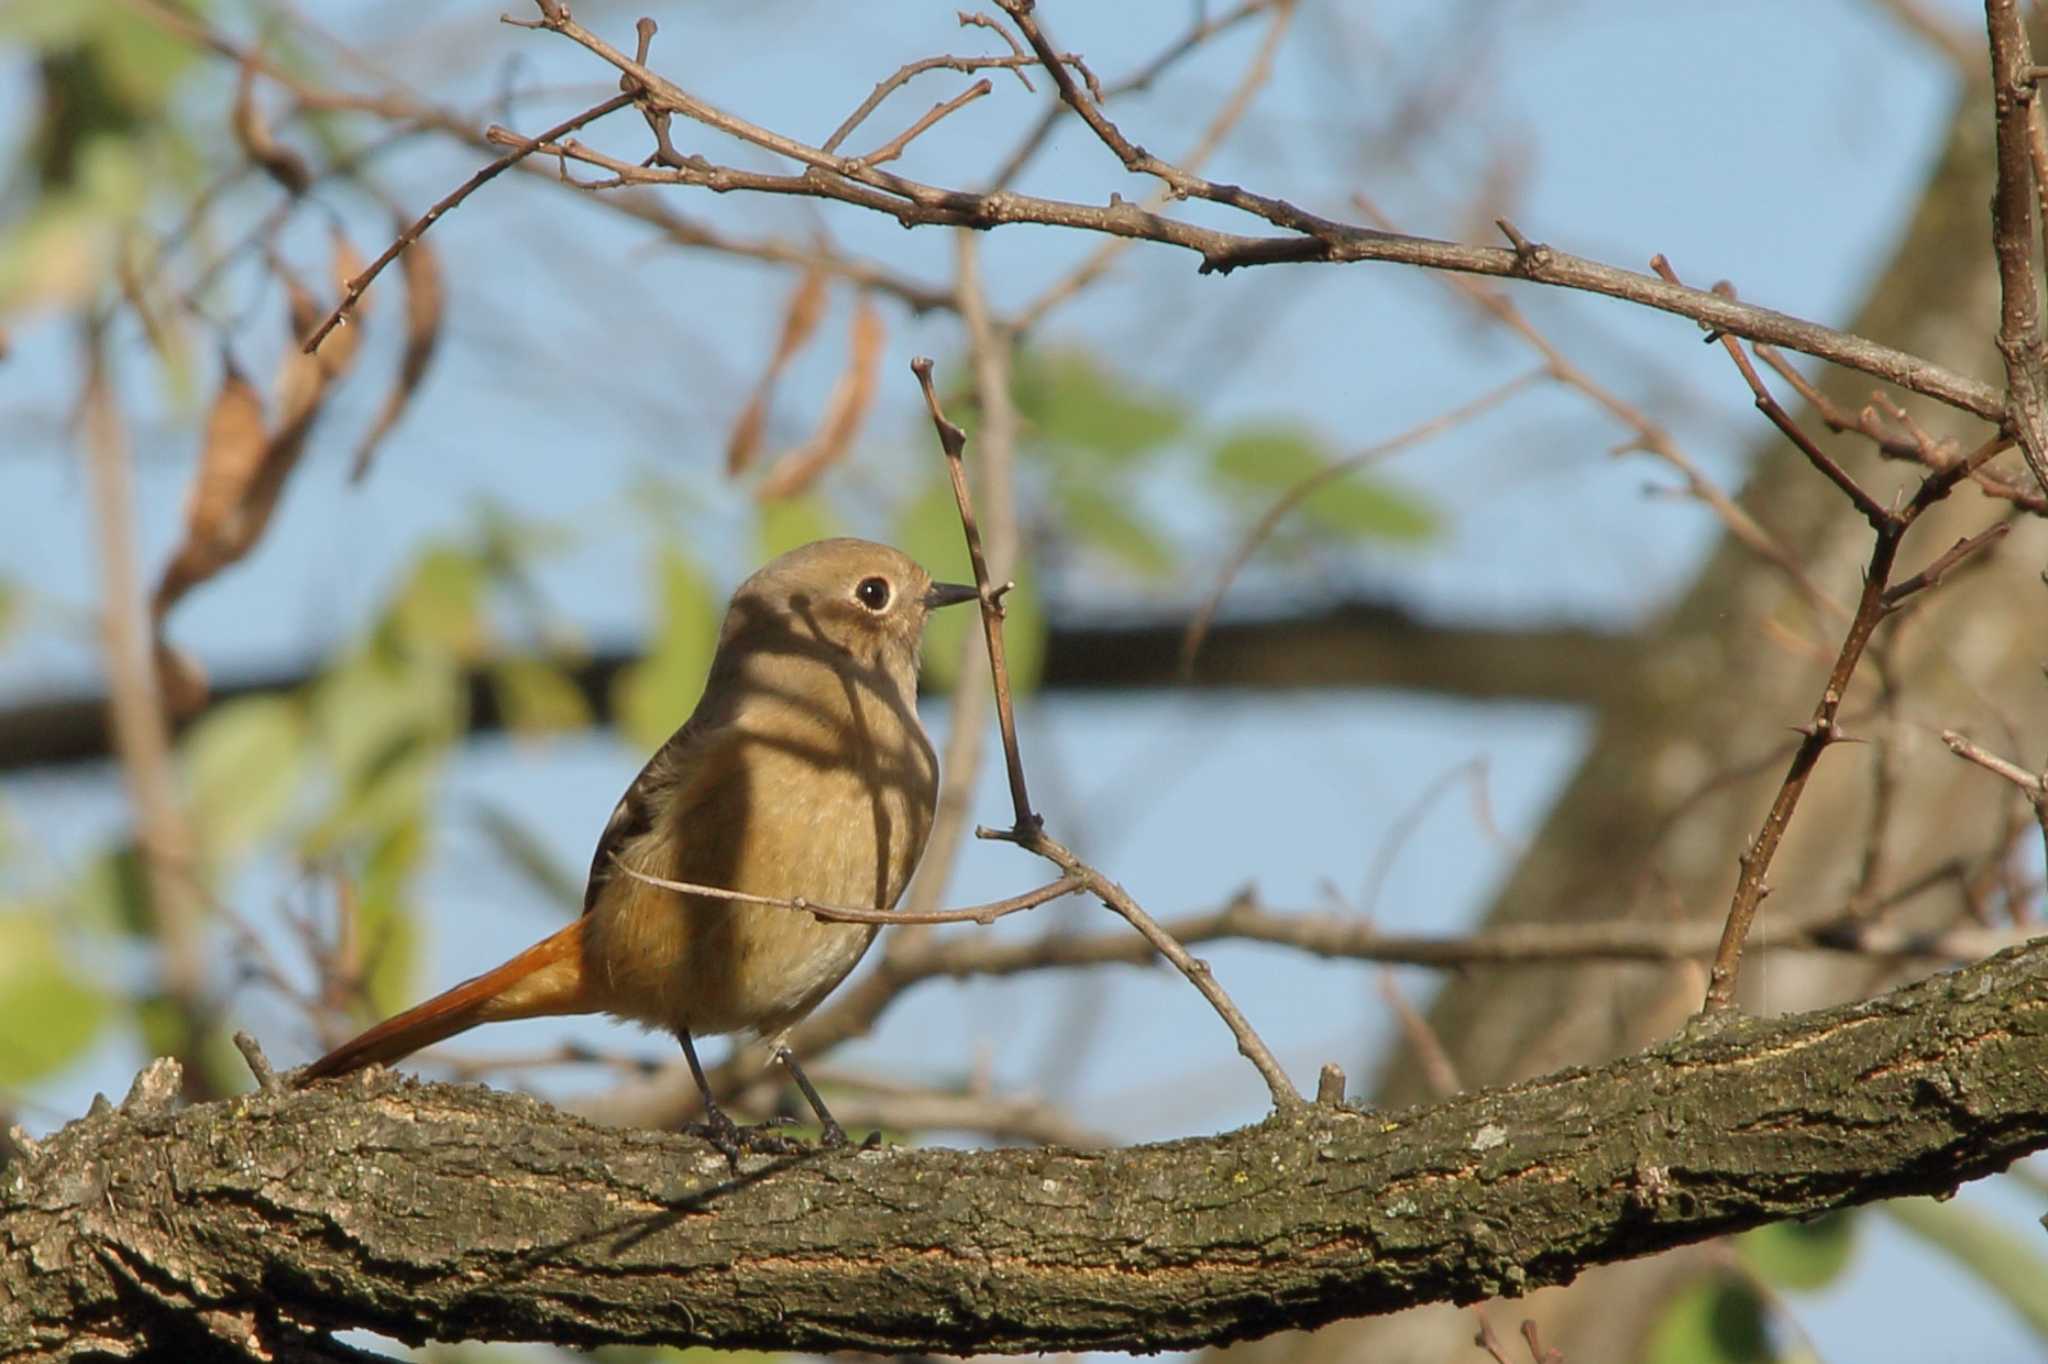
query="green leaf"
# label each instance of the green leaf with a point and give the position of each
(2007, 1265)
(1099, 520)
(1717, 1321)
(387, 922)
(385, 723)
(524, 852)
(13, 608)
(788, 522)
(928, 530)
(1801, 1255)
(113, 892)
(656, 694)
(142, 60)
(439, 609)
(537, 697)
(1280, 458)
(242, 763)
(48, 1015)
(1069, 398)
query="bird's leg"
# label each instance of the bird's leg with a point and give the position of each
(833, 1136)
(727, 1136)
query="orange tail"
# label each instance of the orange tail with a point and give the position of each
(545, 979)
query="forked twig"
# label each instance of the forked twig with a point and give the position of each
(1028, 832)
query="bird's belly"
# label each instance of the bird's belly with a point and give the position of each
(711, 966)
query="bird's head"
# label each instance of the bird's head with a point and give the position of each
(855, 597)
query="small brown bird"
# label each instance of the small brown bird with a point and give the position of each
(802, 774)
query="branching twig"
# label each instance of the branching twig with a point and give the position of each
(1876, 601)
(1648, 435)
(2020, 339)
(2032, 785)
(1306, 236)
(1028, 831)
(893, 148)
(352, 292)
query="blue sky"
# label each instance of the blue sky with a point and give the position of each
(1772, 144)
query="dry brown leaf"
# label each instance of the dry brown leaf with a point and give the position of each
(301, 378)
(252, 131)
(845, 410)
(338, 348)
(800, 318)
(180, 680)
(230, 454)
(745, 440)
(425, 305)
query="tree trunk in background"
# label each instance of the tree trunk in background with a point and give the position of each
(1638, 834)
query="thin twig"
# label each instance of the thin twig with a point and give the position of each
(883, 88)
(140, 728)
(853, 914)
(1306, 236)
(1248, 544)
(1028, 831)
(2032, 785)
(893, 148)
(1931, 576)
(1649, 436)
(989, 353)
(2020, 340)
(1227, 116)
(1872, 510)
(953, 441)
(1874, 604)
(352, 292)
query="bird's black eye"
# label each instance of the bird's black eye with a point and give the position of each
(873, 593)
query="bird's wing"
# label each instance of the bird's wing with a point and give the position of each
(692, 754)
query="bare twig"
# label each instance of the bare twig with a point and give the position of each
(883, 88)
(352, 293)
(1028, 831)
(141, 731)
(1874, 604)
(989, 349)
(1305, 236)
(854, 914)
(1233, 109)
(1931, 576)
(1649, 436)
(953, 442)
(893, 148)
(259, 1064)
(1873, 511)
(2020, 340)
(1248, 545)
(2032, 785)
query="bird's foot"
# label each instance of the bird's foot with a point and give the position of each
(732, 1140)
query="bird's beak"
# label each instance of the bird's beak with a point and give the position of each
(949, 594)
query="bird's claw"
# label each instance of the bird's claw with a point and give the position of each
(732, 1140)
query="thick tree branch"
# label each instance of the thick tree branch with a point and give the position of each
(1361, 644)
(432, 1211)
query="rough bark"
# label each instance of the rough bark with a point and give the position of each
(429, 1211)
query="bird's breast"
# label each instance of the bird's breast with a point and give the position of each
(830, 814)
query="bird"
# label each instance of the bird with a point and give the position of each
(802, 774)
